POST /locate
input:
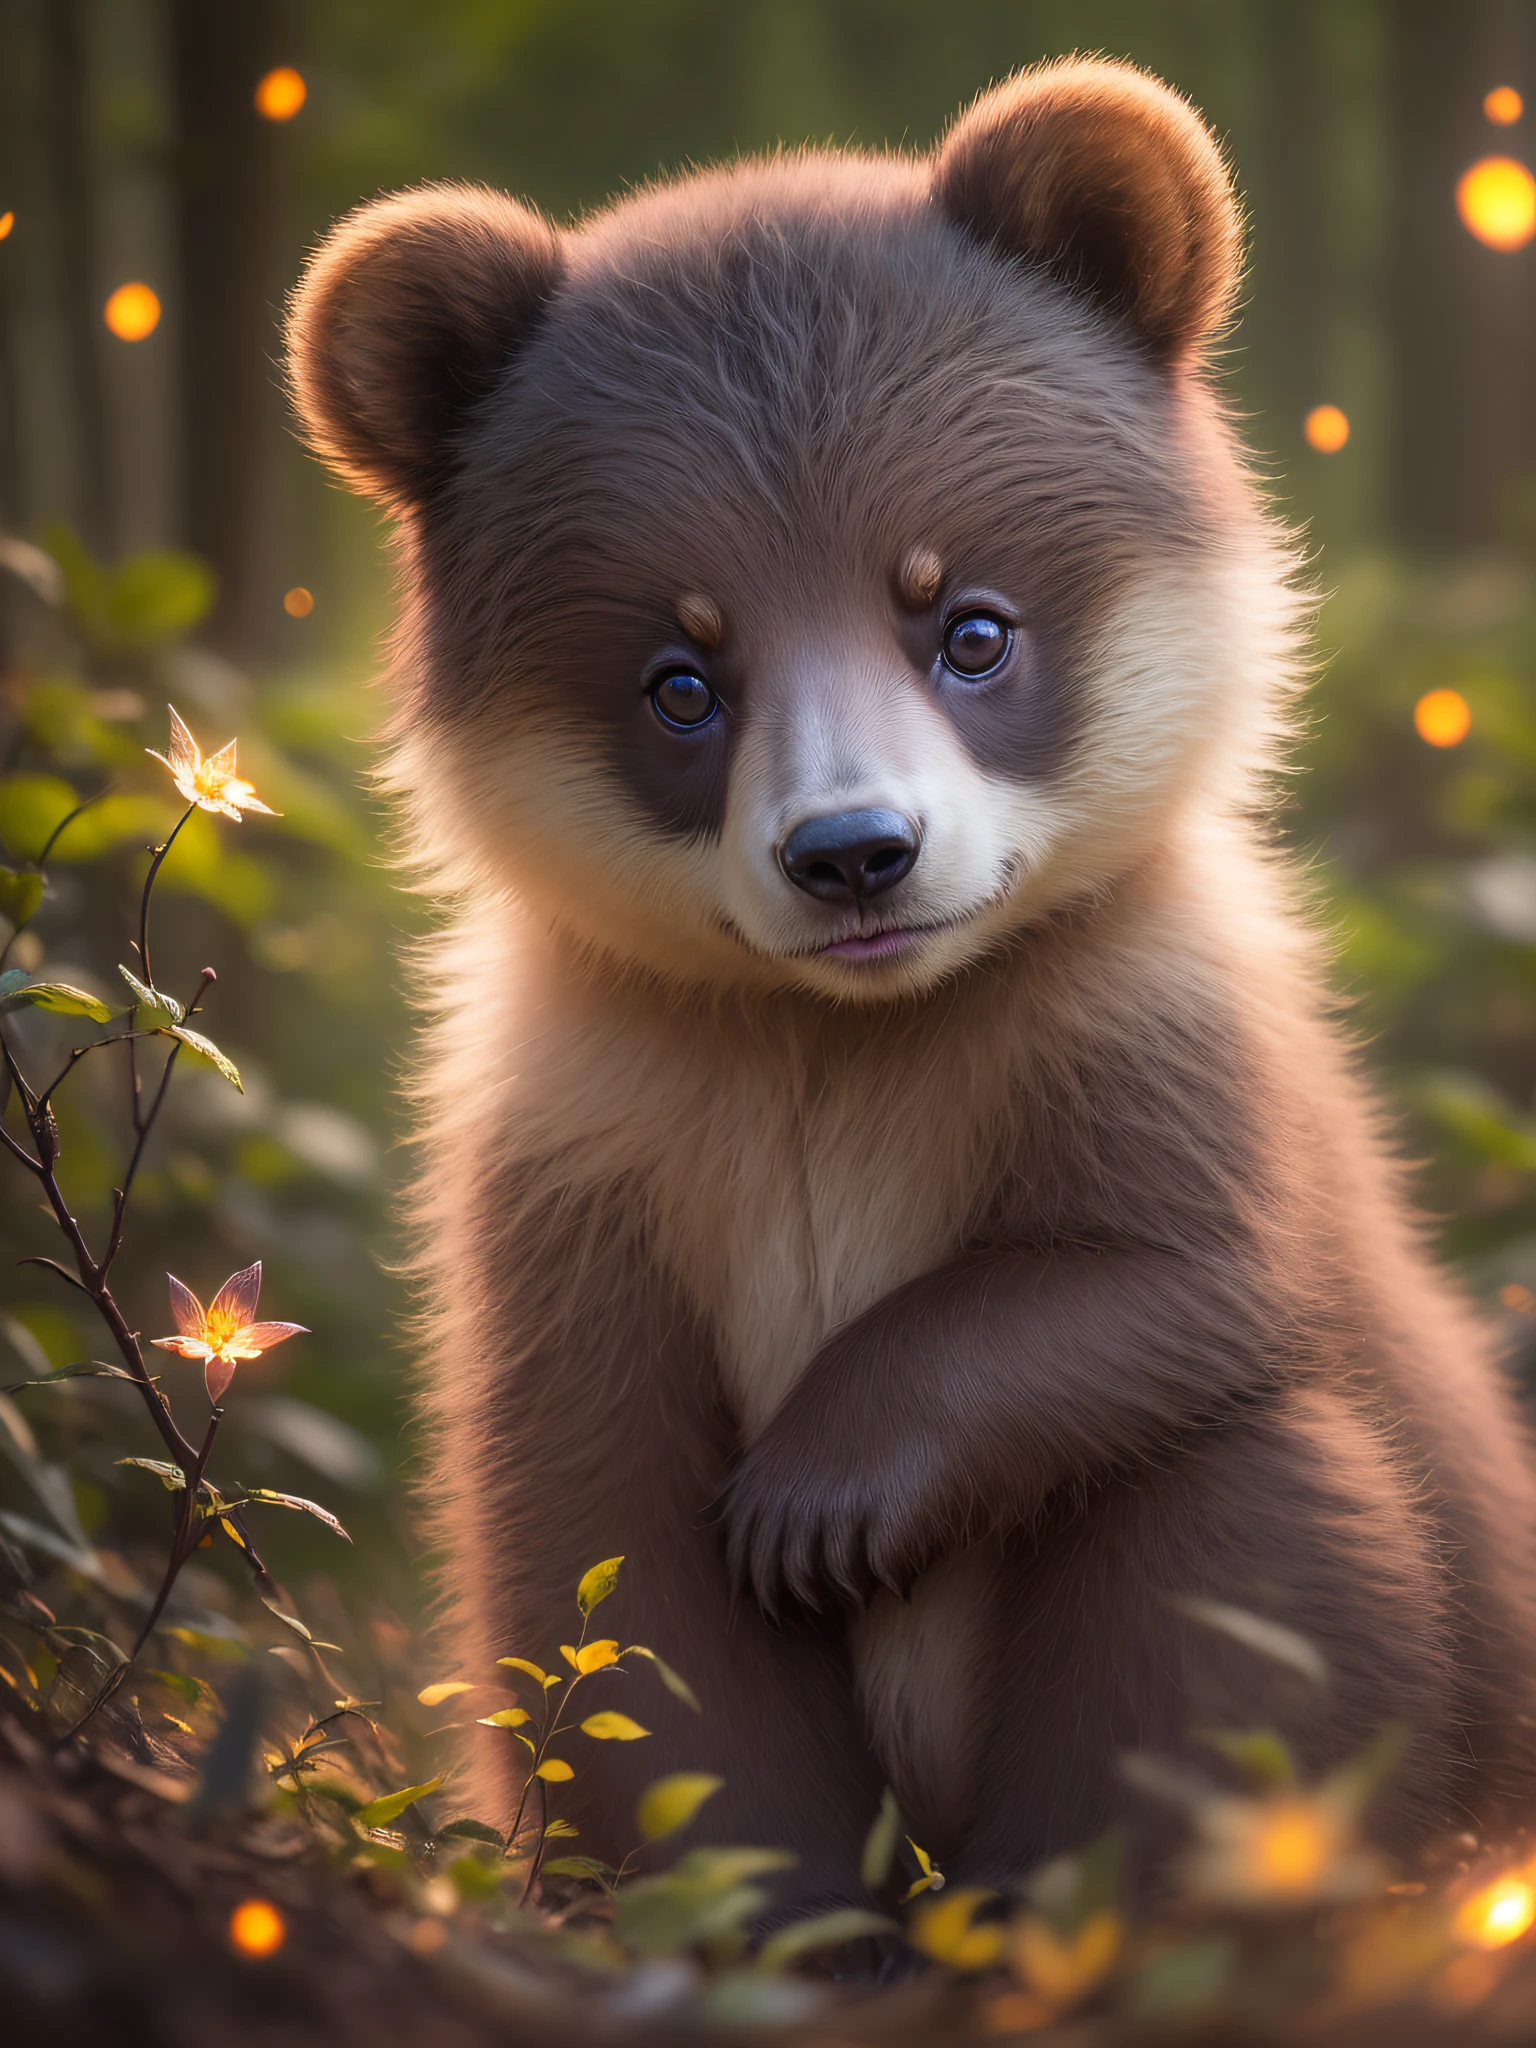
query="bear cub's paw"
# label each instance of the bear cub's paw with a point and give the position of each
(821, 1515)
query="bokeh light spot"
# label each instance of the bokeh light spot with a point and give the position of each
(1496, 199)
(1326, 429)
(298, 603)
(132, 312)
(280, 94)
(1498, 1914)
(1519, 1298)
(1503, 106)
(257, 1928)
(1442, 718)
(7, 222)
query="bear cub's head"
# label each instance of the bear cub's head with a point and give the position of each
(821, 568)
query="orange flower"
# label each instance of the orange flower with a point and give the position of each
(213, 784)
(223, 1334)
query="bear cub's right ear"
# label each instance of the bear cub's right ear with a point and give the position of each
(404, 320)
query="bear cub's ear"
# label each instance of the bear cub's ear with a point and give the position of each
(1113, 184)
(405, 318)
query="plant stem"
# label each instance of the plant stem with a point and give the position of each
(149, 884)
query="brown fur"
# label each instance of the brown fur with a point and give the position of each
(918, 1330)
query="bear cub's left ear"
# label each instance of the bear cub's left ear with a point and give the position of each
(408, 314)
(1112, 183)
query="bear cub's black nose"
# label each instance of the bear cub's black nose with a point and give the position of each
(851, 856)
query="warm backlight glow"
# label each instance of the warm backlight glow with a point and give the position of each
(257, 1928)
(1441, 718)
(280, 94)
(132, 312)
(298, 603)
(1500, 1913)
(7, 222)
(1496, 199)
(1326, 429)
(1519, 1298)
(1503, 106)
(1291, 1850)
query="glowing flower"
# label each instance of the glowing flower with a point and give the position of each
(223, 1334)
(213, 784)
(1292, 1848)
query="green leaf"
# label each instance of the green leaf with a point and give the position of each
(163, 1009)
(153, 597)
(472, 1831)
(880, 1843)
(672, 1802)
(205, 1049)
(611, 1727)
(1261, 1754)
(170, 1476)
(554, 1771)
(380, 1812)
(579, 1866)
(598, 1583)
(823, 1930)
(505, 1717)
(297, 1501)
(61, 999)
(21, 891)
(676, 1685)
(186, 1689)
(30, 807)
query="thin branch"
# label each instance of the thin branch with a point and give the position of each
(149, 884)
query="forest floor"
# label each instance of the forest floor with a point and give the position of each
(119, 1905)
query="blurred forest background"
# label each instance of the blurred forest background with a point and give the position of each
(165, 538)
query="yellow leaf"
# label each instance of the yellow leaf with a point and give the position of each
(672, 1802)
(522, 1664)
(504, 1717)
(434, 1695)
(598, 1583)
(560, 1830)
(595, 1655)
(554, 1771)
(611, 1727)
(1063, 1969)
(946, 1931)
(568, 1652)
(932, 1878)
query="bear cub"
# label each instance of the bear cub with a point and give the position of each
(890, 1166)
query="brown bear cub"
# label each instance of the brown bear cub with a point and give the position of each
(891, 1169)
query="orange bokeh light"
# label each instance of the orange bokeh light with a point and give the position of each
(298, 603)
(1503, 106)
(7, 222)
(257, 1928)
(1326, 429)
(1442, 718)
(280, 94)
(1500, 1913)
(1496, 199)
(132, 312)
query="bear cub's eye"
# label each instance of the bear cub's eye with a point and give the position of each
(683, 700)
(975, 644)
